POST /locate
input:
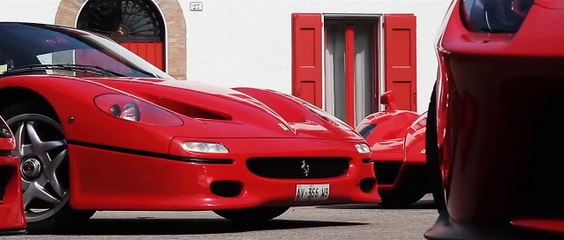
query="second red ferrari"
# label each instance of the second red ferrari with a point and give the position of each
(397, 141)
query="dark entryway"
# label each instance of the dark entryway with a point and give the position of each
(135, 24)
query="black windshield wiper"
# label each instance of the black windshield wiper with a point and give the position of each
(35, 68)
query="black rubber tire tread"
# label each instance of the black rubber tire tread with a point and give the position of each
(432, 155)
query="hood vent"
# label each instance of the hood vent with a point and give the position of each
(187, 109)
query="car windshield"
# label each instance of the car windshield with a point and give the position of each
(26, 47)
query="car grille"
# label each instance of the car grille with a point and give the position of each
(298, 167)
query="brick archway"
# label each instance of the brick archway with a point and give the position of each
(68, 11)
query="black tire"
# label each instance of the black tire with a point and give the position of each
(401, 199)
(252, 215)
(42, 149)
(433, 158)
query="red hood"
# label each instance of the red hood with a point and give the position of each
(228, 112)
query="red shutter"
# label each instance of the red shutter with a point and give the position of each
(400, 59)
(306, 57)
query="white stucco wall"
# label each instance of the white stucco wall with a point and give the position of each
(38, 11)
(248, 42)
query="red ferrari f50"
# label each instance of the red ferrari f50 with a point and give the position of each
(98, 128)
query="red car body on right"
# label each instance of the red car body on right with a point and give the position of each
(494, 131)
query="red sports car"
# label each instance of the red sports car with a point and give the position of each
(397, 140)
(98, 128)
(12, 218)
(493, 129)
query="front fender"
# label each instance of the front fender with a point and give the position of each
(387, 125)
(414, 145)
(73, 102)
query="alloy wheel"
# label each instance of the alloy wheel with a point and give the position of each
(42, 150)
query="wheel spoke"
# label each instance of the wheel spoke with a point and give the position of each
(23, 149)
(25, 184)
(38, 144)
(50, 145)
(32, 134)
(41, 180)
(51, 173)
(36, 191)
(28, 195)
(45, 196)
(60, 158)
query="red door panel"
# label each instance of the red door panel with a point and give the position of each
(150, 51)
(400, 59)
(306, 57)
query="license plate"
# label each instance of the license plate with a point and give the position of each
(312, 192)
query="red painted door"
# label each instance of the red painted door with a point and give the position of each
(306, 57)
(150, 51)
(400, 59)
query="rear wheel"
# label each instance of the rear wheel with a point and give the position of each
(252, 215)
(44, 168)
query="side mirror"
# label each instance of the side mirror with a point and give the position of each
(388, 99)
(385, 98)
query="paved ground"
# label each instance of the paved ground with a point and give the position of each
(304, 223)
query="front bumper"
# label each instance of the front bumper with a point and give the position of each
(105, 179)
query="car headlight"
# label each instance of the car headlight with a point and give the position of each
(130, 112)
(362, 148)
(136, 110)
(505, 16)
(204, 147)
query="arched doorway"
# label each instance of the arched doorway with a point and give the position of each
(135, 24)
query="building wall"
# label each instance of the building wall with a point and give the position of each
(40, 11)
(248, 42)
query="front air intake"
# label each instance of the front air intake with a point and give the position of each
(5, 174)
(226, 188)
(386, 172)
(298, 167)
